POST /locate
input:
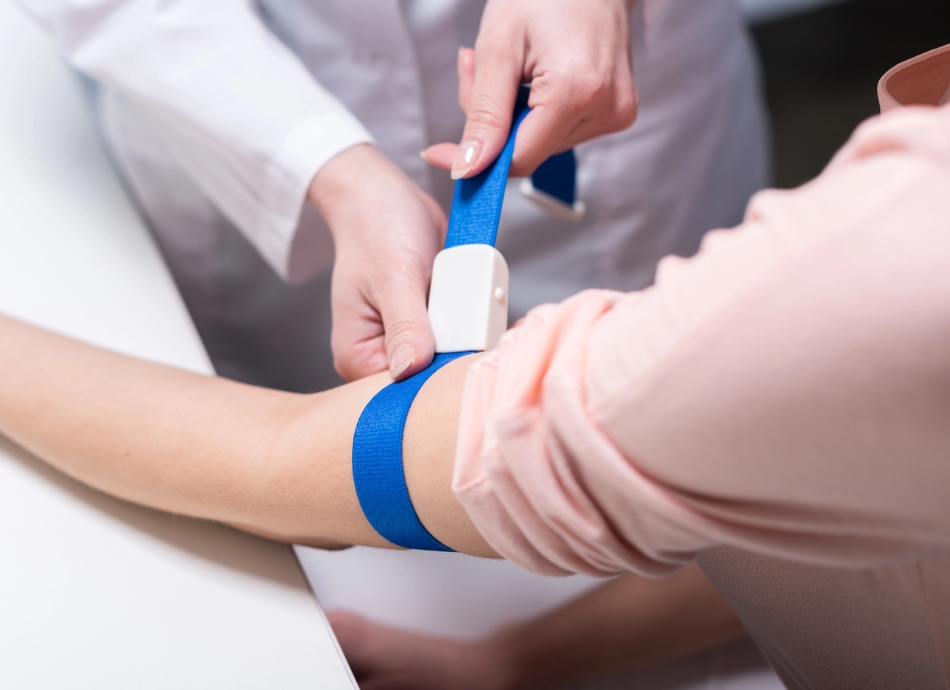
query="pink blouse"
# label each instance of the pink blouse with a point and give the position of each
(784, 397)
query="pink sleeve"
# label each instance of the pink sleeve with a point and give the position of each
(785, 391)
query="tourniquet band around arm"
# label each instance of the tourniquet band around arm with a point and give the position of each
(377, 462)
(468, 310)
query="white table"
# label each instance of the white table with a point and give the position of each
(96, 592)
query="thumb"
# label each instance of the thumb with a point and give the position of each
(466, 69)
(490, 105)
(410, 344)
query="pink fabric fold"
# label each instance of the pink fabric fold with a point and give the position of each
(786, 391)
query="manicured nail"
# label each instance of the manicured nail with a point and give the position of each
(402, 359)
(465, 159)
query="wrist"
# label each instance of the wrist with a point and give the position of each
(340, 177)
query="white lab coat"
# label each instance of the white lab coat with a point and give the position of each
(220, 112)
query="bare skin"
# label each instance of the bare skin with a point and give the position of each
(272, 463)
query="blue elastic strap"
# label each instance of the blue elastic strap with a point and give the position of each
(476, 206)
(377, 462)
(377, 442)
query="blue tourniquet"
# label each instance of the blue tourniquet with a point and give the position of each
(377, 462)
(377, 442)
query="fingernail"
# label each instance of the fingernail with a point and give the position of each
(401, 360)
(465, 159)
(422, 155)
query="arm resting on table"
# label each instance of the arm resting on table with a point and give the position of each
(273, 463)
(278, 465)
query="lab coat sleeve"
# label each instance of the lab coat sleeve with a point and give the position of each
(234, 107)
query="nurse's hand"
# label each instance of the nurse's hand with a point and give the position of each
(386, 232)
(575, 54)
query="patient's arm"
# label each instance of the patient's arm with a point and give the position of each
(278, 464)
(272, 463)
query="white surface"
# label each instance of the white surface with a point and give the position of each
(767, 10)
(466, 597)
(468, 298)
(95, 592)
(438, 593)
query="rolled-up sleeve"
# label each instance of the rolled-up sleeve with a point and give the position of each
(785, 391)
(234, 107)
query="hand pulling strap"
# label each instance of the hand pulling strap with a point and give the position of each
(476, 206)
(377, 442)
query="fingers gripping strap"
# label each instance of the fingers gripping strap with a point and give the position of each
(377, 462)
(476, 206)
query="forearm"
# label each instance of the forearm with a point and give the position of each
(269, 462)
(631, 622)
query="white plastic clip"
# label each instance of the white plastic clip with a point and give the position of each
(468, 298)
